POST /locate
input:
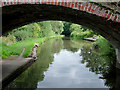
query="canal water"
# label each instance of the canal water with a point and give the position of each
(64, 63)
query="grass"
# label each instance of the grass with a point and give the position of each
(16, 49)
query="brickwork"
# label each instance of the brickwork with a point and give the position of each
(82, 6)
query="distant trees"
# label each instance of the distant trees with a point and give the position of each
(80, 32)
(22, 33)
(38, 30)
(50, 28)
(75, 27)
(57, 27)
(76, 31)
(46, 28)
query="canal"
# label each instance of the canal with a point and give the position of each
(65, 63)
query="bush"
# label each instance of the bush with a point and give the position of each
(81, 35)
(21, 35)
(104, 47)
(10, 39)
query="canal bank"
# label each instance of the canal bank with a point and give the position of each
(12, 68)
(14, 65)
(73, 62)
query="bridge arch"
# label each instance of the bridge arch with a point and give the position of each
(14, 16)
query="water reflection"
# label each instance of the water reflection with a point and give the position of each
(62, 63)
(103, 65)
(68, 72)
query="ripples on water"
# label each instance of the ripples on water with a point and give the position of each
(68, 64)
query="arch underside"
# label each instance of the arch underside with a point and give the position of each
(15, 16)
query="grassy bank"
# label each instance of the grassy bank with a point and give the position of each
(16, 49)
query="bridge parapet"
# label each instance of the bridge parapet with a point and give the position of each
(82, 6)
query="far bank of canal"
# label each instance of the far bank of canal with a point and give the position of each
(69, 64)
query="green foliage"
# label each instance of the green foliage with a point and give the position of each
(66, 27)
(36, 30)
(78, 32)
(10, 39)
(46, 28)
(75, 27)
(81, 35)
(21, 35)
(104, 47)
(57, 27)
(40, 29)
(16, 49)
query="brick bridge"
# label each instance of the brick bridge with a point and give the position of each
(105, 21)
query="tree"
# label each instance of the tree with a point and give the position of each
(46, 28)
(36, 30)
(66, 27)
(57, 27)
(75, 27)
